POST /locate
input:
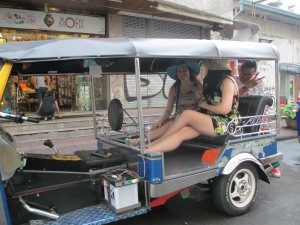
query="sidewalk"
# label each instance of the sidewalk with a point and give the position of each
(285, 132)
(63, 145)
(71, 144)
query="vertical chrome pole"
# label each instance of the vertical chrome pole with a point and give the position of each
(139, 102)
(93, 104)
(94, 71)
(277, 90)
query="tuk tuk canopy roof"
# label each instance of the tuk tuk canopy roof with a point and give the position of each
(83, 48)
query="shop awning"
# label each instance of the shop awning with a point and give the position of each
(290, 68)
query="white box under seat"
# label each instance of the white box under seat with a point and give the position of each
(121, 191)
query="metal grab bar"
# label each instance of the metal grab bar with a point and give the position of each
(50, 215)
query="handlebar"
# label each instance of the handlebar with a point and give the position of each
(18, 118)
(33, 120)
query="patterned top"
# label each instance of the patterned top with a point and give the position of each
(187, 100)
(213, 96)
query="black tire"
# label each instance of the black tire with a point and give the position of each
(115, 114)
(235, 193)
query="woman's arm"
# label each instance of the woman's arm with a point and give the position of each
(200, 91)
(224, 107)
(169, 109)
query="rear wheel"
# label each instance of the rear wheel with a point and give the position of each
(235, 193)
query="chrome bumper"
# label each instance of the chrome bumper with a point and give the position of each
(271, 159)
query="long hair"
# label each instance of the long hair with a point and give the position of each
(213, 79)
(192, 78)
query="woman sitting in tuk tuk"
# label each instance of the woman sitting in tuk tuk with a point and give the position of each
(185, 93)
(216, 111)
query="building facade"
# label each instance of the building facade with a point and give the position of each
(281, 28)
(28, 25)
(97, 19)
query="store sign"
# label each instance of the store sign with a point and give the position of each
(289, 68)
(24, 19)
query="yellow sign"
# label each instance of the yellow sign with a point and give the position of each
(4, 74)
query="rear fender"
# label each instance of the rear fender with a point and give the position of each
(245, 157)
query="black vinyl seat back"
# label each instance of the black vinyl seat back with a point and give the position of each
(252, 105)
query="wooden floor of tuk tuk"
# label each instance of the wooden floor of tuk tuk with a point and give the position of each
(184, 160)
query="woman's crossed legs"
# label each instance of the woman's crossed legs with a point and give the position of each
(190, 124)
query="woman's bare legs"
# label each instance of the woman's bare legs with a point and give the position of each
(154, 134)
(157, 133)
(172, 141)
(199, 122)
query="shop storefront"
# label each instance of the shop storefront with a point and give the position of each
(289, 82)
(71, 92)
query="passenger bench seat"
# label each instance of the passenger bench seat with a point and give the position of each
(249, 105)
(252, 105)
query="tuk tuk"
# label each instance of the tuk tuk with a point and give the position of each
(118, 180)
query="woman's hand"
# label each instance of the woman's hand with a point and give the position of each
(202, 103)
(156, 125)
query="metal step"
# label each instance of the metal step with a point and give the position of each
(52, 129)
(94, 215)
(48, 125)
(71, 125)
(53, 134)
(67, 145)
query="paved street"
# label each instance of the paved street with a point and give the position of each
(277, 203)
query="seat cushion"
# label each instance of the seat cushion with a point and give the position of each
(219, 140)
(97, 161)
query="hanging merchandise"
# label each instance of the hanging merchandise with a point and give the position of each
(65, 89)
(83, 101)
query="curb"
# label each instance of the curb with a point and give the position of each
(286, 137)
